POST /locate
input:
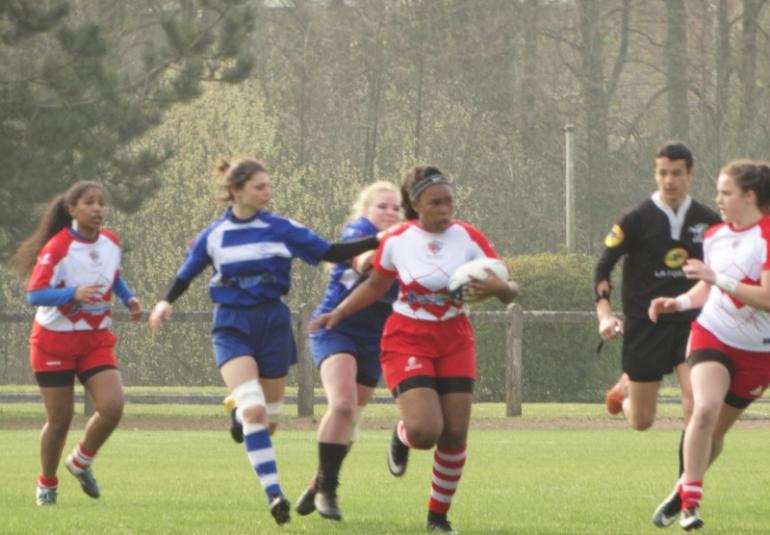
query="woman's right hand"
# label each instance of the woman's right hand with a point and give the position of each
(161, 313)
(89, 295)
(327, 320)
(661, 305)
(610, 327)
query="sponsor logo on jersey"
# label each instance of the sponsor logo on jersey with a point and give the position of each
(415, 299)
(615, 237)
(698, 232)
(675, 258)
(412, 364)
(45, 259)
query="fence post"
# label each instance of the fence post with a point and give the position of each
(514, 330)
(305, 391)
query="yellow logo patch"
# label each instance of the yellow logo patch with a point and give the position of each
(675, 258)
(615, 237)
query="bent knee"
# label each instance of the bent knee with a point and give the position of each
(642, 421)
(706, 414)
(343, 410)
(59, 427)
(256, 414)
(423, 438)
(642, 424)
(111, 410)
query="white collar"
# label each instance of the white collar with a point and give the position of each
(675, 219)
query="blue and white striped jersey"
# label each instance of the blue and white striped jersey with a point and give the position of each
(344, 279)
(251, 258)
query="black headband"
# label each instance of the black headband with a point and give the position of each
(425, 183)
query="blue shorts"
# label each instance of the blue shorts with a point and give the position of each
(262, 331)
(366, 351)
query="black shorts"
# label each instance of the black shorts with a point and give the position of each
(652, 350)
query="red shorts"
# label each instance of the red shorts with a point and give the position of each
(438, 349)
(751, 369)
(78, 351)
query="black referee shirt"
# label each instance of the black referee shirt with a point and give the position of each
(656, 242)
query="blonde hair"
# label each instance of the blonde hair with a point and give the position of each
(366, 197)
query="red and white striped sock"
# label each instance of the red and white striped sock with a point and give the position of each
(48, 482)
(401, 433)
(81, 457)
(447, 470)
(691, 493)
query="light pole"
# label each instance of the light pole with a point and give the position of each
(569, 178)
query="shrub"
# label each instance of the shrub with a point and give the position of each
(559, 359)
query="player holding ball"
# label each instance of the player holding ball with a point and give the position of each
(428, 356)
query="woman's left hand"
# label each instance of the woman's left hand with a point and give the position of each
(134, 309)
(492, 286)
(697, 269)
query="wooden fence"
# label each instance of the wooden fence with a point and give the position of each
(514, 319)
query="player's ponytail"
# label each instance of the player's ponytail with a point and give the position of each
(55, 217)
(234, 176)
(763, 193)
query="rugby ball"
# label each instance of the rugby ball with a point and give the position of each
(475, 269)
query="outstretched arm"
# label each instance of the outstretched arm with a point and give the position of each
(754, 295)
(364, 295)
(163, 310)
(694, 298)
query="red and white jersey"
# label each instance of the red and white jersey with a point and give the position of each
(424, 261)
(67, 261)
(743, 255)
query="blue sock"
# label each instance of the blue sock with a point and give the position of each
(259, 448)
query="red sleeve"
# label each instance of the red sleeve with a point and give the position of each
(116, 240)
(111, 235)
(50, 256)
(764, 226)
(481, 240)
(377, 260)
(712, 230)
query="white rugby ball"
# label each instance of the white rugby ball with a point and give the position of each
(475, 269)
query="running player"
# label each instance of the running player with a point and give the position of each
(348, 356)
(428, 356)
(250, 251)
(729, 345)
(75, 267)
(656, 238)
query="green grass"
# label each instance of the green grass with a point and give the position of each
(531, 411)
(521, 481)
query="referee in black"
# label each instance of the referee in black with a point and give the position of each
(656, 238)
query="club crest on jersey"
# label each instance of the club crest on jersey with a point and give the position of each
(93, 255)
(615, 237)
(435, 246)
(698, 232)
(675, 258)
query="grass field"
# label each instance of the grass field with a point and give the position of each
(561, 469)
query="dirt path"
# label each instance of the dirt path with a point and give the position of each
(212, 423)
